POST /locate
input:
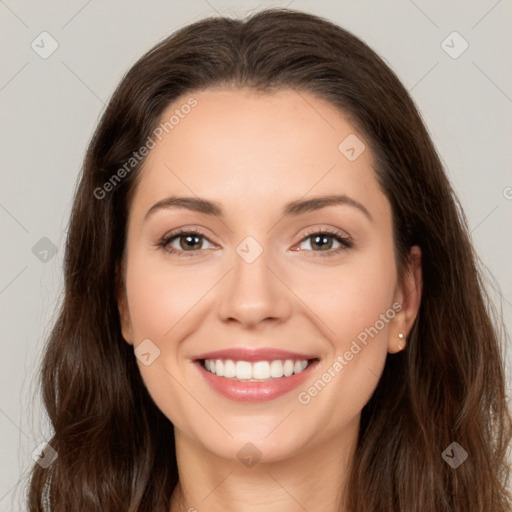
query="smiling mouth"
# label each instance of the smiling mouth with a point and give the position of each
(257, 371)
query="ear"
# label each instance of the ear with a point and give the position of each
(408, 294)
(122, 306)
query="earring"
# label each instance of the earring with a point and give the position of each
(401, 336)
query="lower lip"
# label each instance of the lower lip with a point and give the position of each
(255, 391)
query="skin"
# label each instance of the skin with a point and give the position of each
(253, 153)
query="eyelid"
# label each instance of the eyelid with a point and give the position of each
(342, 237)
(166, 239)
(185, 230)
(326, 229)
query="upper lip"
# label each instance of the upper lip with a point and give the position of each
(253, 355)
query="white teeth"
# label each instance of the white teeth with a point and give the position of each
(243, 370)
(288, 368)
(260, 370)
(276, 369)
(229, 369)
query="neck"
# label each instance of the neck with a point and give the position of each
(311, 479)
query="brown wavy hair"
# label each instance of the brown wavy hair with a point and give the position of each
(116, 448)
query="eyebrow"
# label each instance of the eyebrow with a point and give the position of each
(293, 208)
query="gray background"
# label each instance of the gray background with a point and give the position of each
(50, 106)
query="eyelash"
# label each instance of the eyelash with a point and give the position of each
(346, 242)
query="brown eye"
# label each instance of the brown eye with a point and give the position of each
(323, 242)
(326, 242)
(184, 243)
(193, 242)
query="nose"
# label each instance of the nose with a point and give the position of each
(254, 293)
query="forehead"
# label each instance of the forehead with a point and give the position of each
(245, 147)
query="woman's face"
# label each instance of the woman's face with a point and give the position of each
(290, 263)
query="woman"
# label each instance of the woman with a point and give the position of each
(271, 299)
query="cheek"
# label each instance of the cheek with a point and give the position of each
(161, 294)
(161, 300)
(351, 297)
(354, 303)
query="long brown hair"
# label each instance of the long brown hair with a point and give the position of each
(116, 448)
